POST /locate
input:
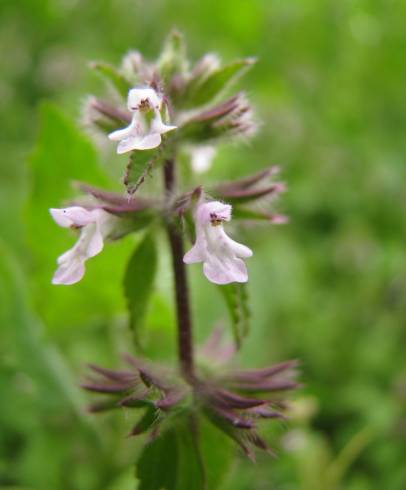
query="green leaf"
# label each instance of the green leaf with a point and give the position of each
(173, 58)
(217, 453)
(254, 215)
(22, 332)
(228, 431)
(146, 421)
(158, 464)
(141, 403)
(236, 298)
(185, 457)
(139, 281)
(202, 93)
(250, 214)
(139, 166)
(62, 154)
(113, 75)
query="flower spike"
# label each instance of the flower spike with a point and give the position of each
(146, 126)
(221, 256)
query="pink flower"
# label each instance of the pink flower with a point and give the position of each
(95, 225)
(146, 127)
(221, 256)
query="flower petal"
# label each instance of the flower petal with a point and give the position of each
(126, 144)
(239, 249)
(158, 126)
(72, 216)
(149, 141)
(137, 95)
(95, 243)
(139, 143)
(234, 270)
(195, 254)
(206, 211)
(121, 133)
(69, 272)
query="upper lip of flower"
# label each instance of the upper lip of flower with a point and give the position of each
(214, 210)
(218, 216)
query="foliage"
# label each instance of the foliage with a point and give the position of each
(235, 296)
(139, 281)
(174, 461)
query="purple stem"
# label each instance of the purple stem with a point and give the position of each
(185, 341)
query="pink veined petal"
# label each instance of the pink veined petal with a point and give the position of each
(195, 254)
(158, 126)
(239, 249)
(72, 216)
(69, 272)
(126, 144)
(139, 143)
(121, 133)
(104, 221)
(165, 128)
(148, 142)
(95, 244)
(67, 256)
(233, 271)
(238, 270)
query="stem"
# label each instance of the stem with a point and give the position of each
(185, 341)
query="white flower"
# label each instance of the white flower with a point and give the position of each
(221, 256)
(146, 127)
(95, 225)
(202, 158)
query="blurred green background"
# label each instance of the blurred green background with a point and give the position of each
(329, 288)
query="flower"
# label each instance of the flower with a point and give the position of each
(221, 256)
(146, 127)
(95, 225)
(202, 158)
